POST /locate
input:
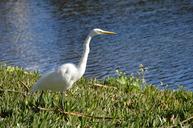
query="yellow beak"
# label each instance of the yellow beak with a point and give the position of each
(108, 32)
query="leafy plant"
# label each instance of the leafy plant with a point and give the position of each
(113, 102)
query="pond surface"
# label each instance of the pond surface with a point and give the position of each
(41, 35)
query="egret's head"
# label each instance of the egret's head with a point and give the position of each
(98, 31)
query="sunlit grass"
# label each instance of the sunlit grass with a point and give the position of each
(123, 102)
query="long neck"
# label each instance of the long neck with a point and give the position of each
(83, 60)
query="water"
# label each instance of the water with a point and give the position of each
(41, 35)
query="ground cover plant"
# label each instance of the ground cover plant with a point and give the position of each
(124, 101)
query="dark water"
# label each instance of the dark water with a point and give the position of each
(40, 35)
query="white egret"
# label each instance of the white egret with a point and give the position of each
(66, 75)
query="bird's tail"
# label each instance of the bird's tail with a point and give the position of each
(34, 88)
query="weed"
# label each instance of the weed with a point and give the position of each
(114, 102)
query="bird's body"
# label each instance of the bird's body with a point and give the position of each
(62, 78)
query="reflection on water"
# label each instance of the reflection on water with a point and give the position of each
(40, 35)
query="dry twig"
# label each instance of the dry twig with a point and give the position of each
(8, 90)
(104, 86)
(184, 121)
(24, 85)
(76, 114)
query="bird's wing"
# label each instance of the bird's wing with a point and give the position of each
(59, 80)
(69, 73)
(50, 81)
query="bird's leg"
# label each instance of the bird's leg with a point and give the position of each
(39, 101)
(62, 103)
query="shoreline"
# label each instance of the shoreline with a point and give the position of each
(113, 102)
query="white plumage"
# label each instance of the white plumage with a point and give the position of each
(65, 75)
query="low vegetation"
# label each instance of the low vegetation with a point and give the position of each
(125, 101)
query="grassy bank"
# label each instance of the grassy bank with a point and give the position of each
(121, 103)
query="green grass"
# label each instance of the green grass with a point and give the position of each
(121, 103)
